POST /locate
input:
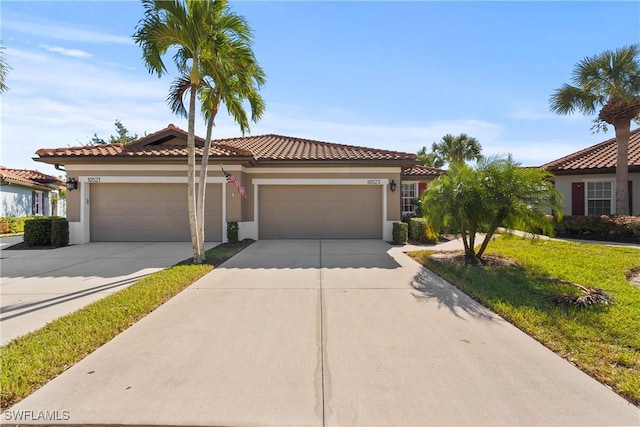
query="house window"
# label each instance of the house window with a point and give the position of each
(409, 193)
(599, 198)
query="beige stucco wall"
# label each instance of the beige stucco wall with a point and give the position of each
(563, 185)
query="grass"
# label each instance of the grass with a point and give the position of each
(603, 341)
(30, 361)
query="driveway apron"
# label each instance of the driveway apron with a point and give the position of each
(331, 332)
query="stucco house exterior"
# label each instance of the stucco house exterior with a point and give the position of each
(587, 178)
(295, 188)
(27, 192)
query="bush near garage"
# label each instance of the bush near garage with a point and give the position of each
(419, 231)
(59, 232)
(232, 231)
(619, 228)
(38, 231)
(400, 232)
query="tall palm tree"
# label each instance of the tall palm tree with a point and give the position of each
(457, 149)
(234, 77)
(608, 82)
(192, 27)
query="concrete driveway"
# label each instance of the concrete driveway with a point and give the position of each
(336, 333)
(39, 286)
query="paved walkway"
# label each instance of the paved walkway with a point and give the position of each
(335, 333)
(39, 286)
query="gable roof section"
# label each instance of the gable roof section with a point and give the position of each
(420, 171)
(29, 178)
(597, 158)
(270, 147)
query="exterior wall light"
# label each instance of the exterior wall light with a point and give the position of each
(72, 184)
(392, 185)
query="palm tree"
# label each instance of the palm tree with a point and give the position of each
(195, 28)
(235, 77)
(608, 82)
(457, 149)
(429, 159)
(4, 70)
(494, 193)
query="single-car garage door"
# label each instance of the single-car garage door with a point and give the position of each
(319, 211)
(150, 213)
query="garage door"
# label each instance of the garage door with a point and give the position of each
(150, 213)
(313, 211)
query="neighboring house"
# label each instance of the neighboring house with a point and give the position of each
(296, 188)
(414, 181)
(28, 192)
(587, 178)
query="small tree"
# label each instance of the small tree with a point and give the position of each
(495, 193)
(122, 137)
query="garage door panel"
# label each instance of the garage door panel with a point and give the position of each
(150, 212)
(315, 211)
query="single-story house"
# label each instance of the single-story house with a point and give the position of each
(587, 178)
(29, 192)
(295, 188)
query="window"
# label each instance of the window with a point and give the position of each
(599, 198)
(409, 193)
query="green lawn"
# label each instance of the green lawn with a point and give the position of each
(30, 361)
(603, 341)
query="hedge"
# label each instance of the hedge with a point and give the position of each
(400, 232)
(419, 231)
(46, 231)
(620, 228)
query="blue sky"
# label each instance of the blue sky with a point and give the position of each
(392, 75)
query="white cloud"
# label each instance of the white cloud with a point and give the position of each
(60, 31)
(75, 53)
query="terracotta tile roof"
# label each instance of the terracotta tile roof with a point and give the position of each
(598, 157)
(264, 147)
(278, 147)
(420, 171)
(28, 177)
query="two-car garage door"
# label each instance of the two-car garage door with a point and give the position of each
(320, 211)
(150, 212)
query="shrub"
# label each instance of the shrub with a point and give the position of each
(617, 228)
(37, 232)
(9, 224)
(400, 232)
(232, 231)
(419, 231)
(59, 232)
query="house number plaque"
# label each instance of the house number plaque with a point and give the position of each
(93, 179)
(374, 182)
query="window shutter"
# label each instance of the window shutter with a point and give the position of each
(423, 186)
(577, 198)
(630, 197)
(33, 202)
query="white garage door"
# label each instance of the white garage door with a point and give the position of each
(315, 211)
(150, 213)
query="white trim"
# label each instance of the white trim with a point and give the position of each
(307, 170)
(101, 179)
(596, 180)
(321, 181)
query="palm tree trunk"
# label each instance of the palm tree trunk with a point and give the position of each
(623, 132)
(191, 177)
(202, 183)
